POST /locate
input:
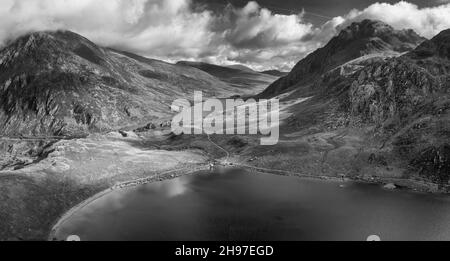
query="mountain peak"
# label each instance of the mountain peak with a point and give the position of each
(46, 47)
(368, 37)
(365, 28)
(45, 36)
(59, 37)
(374, 30)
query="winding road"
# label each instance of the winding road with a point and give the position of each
(220, 147)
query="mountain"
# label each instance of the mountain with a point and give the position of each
(393, 110)
(275, 73)
(238, 77)
(438, 47)
(400, 88)
(434, 55)
(408, 99)
(60, 83)
(241, 68)
(358, 40)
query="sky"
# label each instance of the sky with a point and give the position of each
(261, 34)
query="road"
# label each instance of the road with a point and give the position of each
(220, 147)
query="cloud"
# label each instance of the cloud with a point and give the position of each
(152, 27)
(256, 31)
(253, 27)
(427, 22)
(168, 29)
(179, 30)
(261, 39)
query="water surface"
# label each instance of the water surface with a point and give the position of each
(236, 205)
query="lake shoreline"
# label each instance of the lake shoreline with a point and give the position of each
(400, 183)
(174, 174)
(169, 175)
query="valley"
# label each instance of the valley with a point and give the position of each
(366, 107)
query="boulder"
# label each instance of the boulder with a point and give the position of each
(390, 186)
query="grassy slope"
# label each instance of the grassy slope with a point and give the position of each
(33, 197)
(250, 82)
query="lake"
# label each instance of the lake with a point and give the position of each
(237, 205)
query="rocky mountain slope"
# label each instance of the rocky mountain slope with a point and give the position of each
(358, 40)
(59, 83)
(408, 98)
(398, 105)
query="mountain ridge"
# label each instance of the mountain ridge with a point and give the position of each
(357, 40)
(60, 83)
(235, 75)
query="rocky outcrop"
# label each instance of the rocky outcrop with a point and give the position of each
(392, 90)
(390, 186)
(408, 100)
(434, 163)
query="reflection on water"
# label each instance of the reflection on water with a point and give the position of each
(235, 205)
(170, 189)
